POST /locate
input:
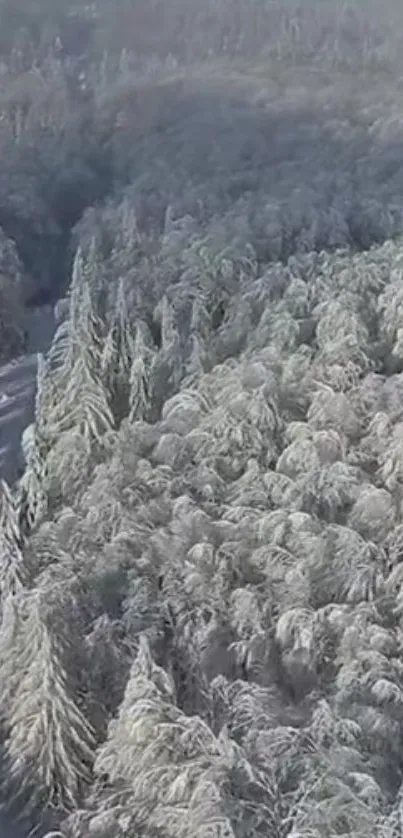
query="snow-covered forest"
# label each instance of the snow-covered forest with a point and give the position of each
(201, 561)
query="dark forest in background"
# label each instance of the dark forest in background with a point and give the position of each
(95, 97)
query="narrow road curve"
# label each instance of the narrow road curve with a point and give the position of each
(17, 390)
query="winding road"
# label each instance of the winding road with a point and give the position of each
(17, 392)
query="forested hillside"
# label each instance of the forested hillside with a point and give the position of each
(201, 562)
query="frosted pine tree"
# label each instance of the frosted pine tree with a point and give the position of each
(166, 771)
(49, 745)
(167, 369)
(12, 571)
(140, 375)
(200, 336)
(11, 617)
(62, 351)
(118, 355)
(81, 413)
(32, 487)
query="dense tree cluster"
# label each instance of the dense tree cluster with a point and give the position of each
(201, 565)
(201, 577)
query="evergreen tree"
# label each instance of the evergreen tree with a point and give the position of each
(167, 771)
(12, 567)
(49, 743)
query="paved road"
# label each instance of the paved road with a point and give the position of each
(17, 392)
(9, 830)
